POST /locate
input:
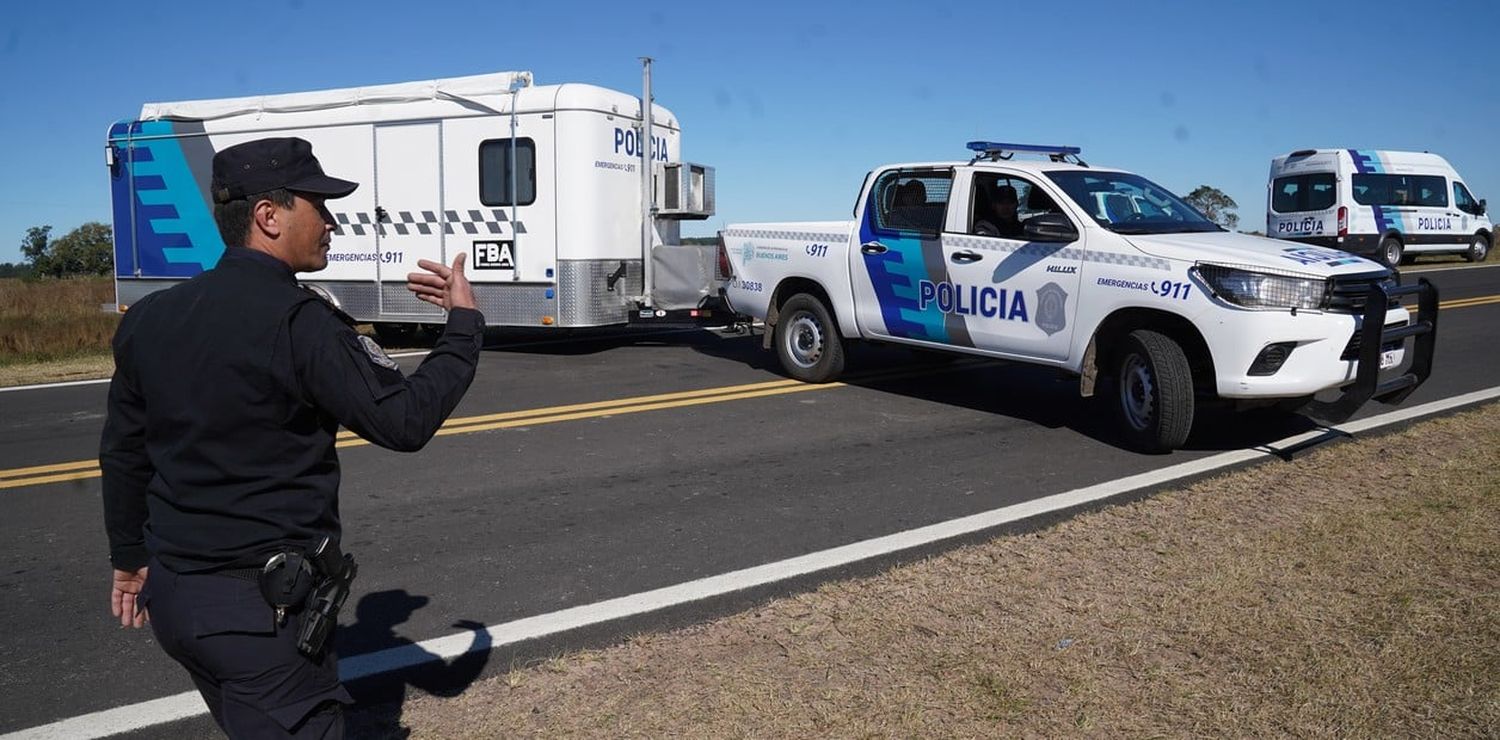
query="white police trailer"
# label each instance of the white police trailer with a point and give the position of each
(569, 211)
(1388, 204)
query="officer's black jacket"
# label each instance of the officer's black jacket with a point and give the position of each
(229, 389)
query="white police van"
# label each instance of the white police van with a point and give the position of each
(1097, 272)
(1388, 204)
(569, 211)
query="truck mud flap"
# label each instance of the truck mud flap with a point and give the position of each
(1374, 335)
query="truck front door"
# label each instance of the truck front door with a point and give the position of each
(1014, 296)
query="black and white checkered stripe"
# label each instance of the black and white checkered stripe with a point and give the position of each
(800, 236)
(404, 223)
(1066, 253)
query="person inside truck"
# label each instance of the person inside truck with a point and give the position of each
(1001, 219)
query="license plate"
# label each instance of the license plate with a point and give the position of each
(1391, 358)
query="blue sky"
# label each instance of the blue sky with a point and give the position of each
(794, 102)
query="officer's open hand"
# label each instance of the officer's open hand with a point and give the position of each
(442, 285)
(127, 585)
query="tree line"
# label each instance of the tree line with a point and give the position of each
(86, 250)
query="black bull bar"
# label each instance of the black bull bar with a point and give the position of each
(1373, 336)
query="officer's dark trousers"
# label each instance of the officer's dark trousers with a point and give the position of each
(246, 667)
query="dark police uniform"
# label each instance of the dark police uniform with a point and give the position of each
(218, 451)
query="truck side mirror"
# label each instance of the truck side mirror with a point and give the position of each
(1050, 227)
(1483, 207)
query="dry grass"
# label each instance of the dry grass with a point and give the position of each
(1352, 593)
(54, 319)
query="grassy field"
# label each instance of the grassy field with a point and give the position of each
(1354, 592)
(49, 320)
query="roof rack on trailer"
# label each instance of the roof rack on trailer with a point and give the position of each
(995, 151)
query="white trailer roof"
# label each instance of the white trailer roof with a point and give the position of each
(473, 88)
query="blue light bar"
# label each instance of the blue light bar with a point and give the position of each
(995, 146)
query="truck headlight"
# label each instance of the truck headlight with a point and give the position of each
(1259, 289)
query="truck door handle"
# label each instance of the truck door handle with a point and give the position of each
(872, 248)
(380, 214)
(966, 256)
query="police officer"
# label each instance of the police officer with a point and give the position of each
(218, 450)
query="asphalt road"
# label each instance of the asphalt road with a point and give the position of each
(523, 515)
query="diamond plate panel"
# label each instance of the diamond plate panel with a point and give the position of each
(584, 296)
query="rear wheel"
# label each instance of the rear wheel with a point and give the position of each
(1391, 251)
(1479, 248)
(1153, 391)
(807, 340)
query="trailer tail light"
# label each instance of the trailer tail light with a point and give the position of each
(1343, 221)
(725, 270)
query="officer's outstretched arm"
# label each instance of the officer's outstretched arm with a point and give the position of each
(350, 377)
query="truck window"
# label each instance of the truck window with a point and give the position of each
(1313, 191)
(1400, 190)
(1001, 203)
(915, 201)
(495, 172)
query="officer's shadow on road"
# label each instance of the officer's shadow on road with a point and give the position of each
(380, 699)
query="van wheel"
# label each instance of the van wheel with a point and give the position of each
(1391, 251)
(807, 340)
(1153, 391)
(1479, 248)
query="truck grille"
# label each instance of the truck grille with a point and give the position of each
(1351, 350)
(1347, 293)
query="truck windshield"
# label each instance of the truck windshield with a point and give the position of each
(1130, 204)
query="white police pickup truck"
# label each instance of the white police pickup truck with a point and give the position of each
(1098, 272)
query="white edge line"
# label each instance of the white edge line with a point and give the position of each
(39, 386)
(189, 704)
(1446, 268)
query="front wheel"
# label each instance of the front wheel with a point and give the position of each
(1479, 248)
(1391, 251)
(808, 341)
(1153, 392)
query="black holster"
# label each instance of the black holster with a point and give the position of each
(314, 583)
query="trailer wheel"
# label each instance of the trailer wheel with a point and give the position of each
(1154, 392)
(395, 335)
(808, 341)
(1479, 248)
(1391, 251)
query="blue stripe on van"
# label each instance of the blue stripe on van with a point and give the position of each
(1367, 162)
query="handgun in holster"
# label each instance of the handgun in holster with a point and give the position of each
(321, 614)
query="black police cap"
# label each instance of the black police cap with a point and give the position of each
(264, 165)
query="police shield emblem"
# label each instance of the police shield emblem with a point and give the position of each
(1052, 309)
(376, 353)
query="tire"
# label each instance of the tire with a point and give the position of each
(1391, 251)
(807, 340)
(1479, 248)
(1153, 392)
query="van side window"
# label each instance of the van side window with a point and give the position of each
(1463, 201)
(1297, 193)
(910, 200)
(1401, 190)
(495, 172)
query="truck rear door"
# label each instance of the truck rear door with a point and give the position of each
(900, 248)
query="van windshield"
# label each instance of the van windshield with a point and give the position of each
(1130, 204)
(1313, 191)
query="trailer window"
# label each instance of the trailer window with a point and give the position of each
(907, 200)
(1309, 192)
(495, 172)
(1400, 190)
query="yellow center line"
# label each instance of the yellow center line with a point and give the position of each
(55, 468)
